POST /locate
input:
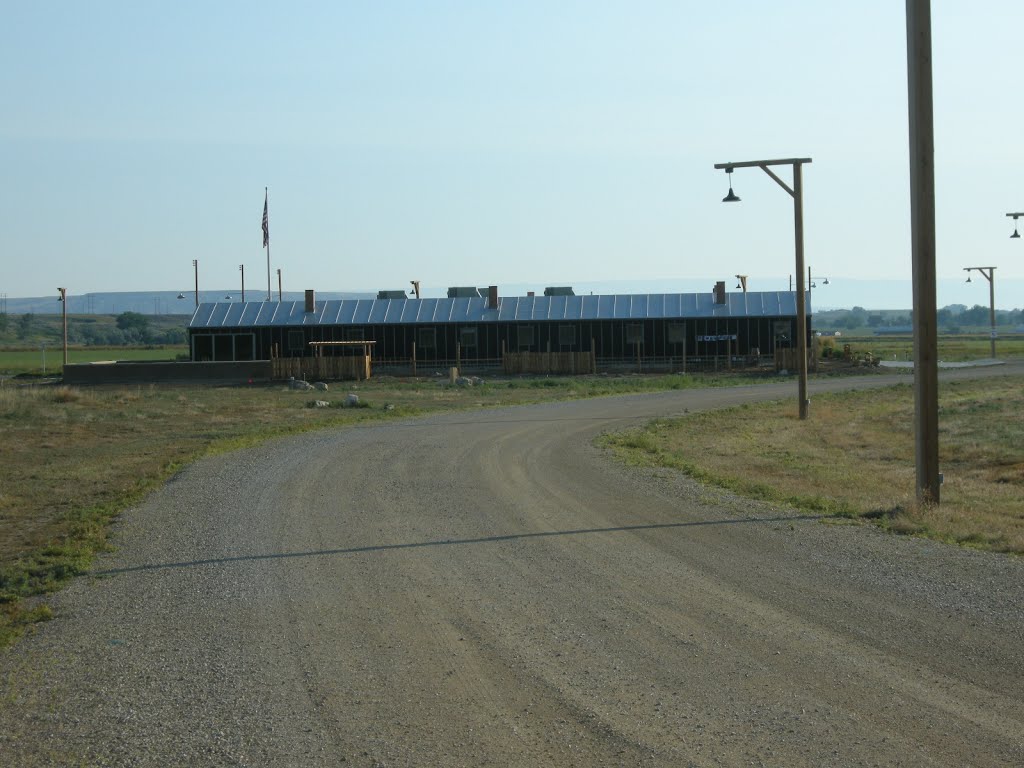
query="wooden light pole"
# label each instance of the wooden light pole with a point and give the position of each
(64, 312)
(195, 266)
(241, 268)
(990, 275)
(796, 192)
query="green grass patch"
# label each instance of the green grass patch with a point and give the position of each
(49, 360)
(951, 348)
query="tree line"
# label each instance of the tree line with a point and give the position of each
(127, 329)
(953, 318)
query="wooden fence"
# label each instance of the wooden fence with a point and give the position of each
(789, 359)
(331, 368)
(549, 362)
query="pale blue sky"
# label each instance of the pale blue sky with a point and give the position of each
(476, 143)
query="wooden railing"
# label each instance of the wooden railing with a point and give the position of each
(335, 368)
(549, 362)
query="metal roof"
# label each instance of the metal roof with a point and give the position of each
(510, 309)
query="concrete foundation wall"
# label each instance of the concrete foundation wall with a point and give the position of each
(142, 372)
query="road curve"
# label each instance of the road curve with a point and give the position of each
(487, 588)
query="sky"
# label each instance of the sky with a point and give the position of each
(486, 143)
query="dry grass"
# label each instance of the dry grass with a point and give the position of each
(855, 458)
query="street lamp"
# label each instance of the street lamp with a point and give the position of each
(195, 266)
(742, 282)
(796, 192)
(811, 281)
(1015, 234)
(278, 285)
(415, 287)
(990, 275)
(241, 268)
(64, 312)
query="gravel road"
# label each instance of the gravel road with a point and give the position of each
(488, 588)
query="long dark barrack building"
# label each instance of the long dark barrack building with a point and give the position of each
(474, 328)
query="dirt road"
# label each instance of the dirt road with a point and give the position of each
(489, 589)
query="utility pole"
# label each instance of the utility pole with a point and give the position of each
(922, 228)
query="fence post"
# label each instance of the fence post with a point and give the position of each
(414, 358)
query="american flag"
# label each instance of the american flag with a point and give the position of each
(266, 225)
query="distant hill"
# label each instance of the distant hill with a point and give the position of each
(149, 302)
(837, 293)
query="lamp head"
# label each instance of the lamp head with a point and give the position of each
(731, 197)
(968, 278)
(825, 281)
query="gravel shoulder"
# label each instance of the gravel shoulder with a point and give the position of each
(489, 588)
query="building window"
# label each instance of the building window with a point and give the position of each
(634, 333)
(426, 338)
(677, 333)
(467, 337)
(296, 341)
(566, 335)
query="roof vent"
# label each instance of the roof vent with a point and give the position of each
(310, 300)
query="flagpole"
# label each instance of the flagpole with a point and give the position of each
(266, 234)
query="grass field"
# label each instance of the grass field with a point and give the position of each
(855, 458)
(49, 360)
(951, 349)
